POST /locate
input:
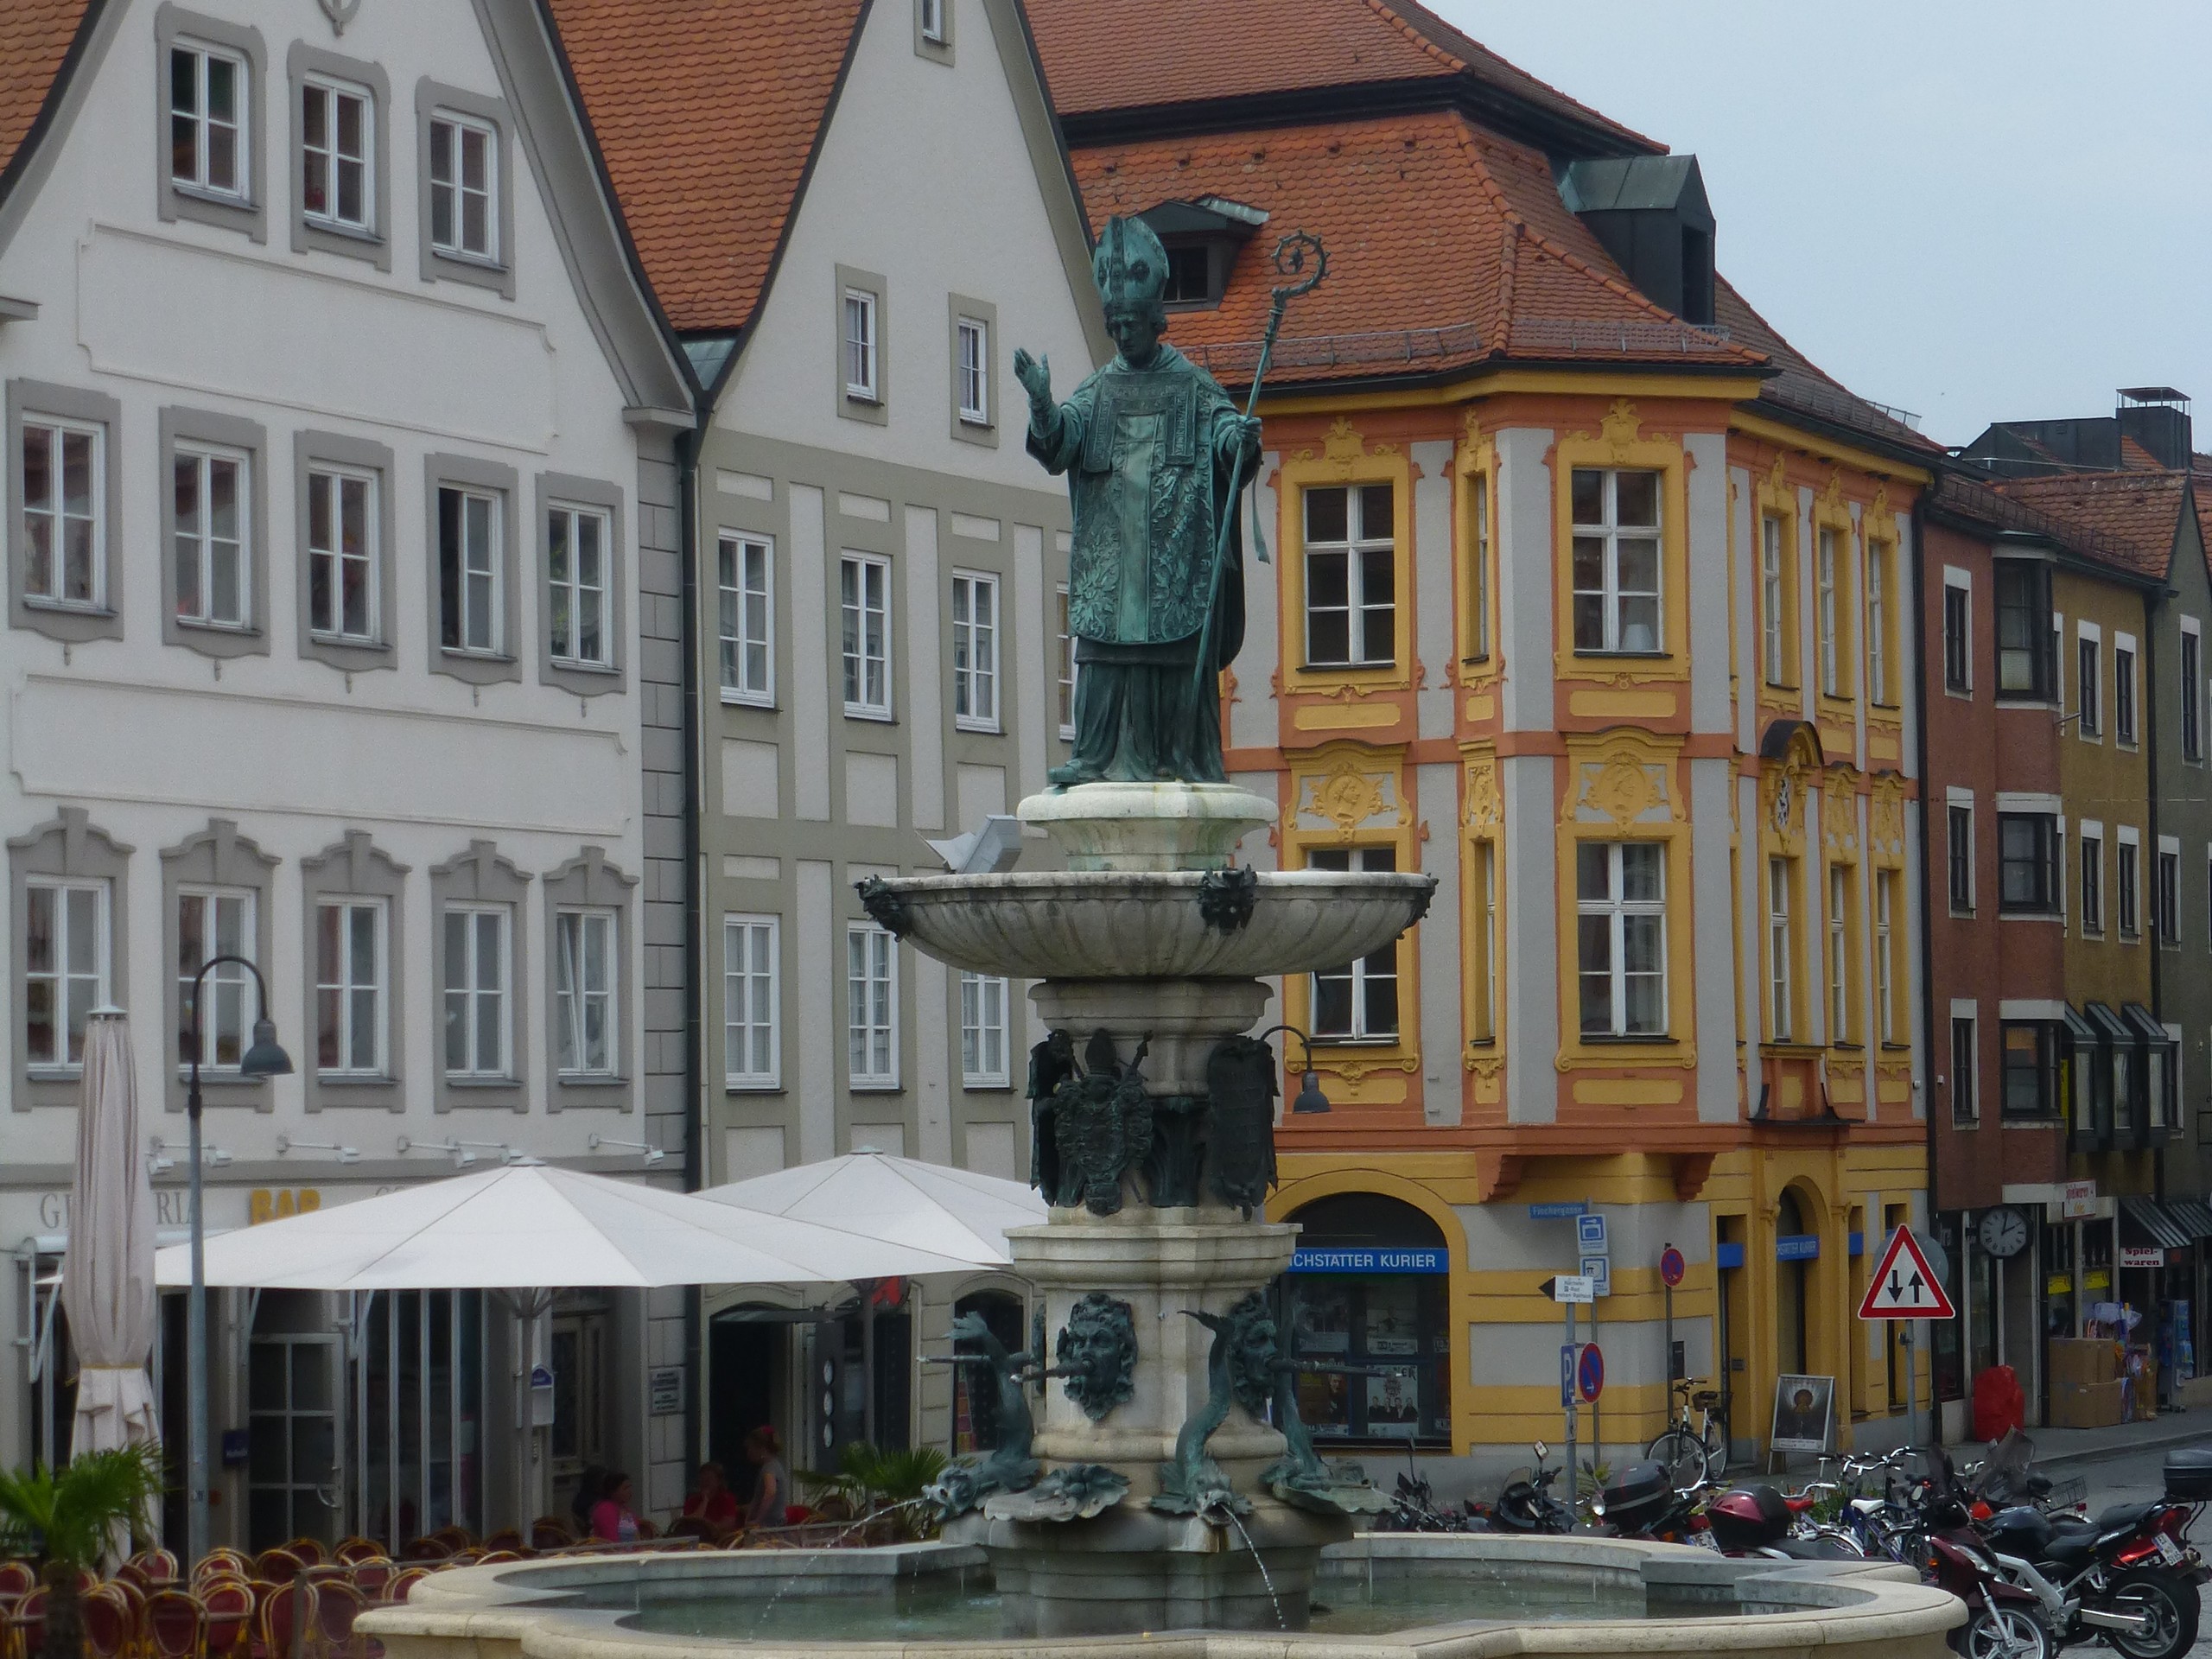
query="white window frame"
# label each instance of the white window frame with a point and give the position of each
(1612, 597)
(203, 122)
(860, 572)
(934, 20)
(457, 189)
(752, 1001)
(1360, 972)
(1876, 560)
(1886, 1007)
(1959, 800)
(473, 993)
(984, 1031)
(2125, 699)
(332, 483)
(1839, 954)
(229, 978)
(2089, 690)
(334, 160)
(346, 988)
(1966, 1013)
(1066, 670)
(205, 459)
(871, 1008)
(1961, 581)
(575, 589)
(2089, 900)
(859, 337)
(573, 999)
(1826, 540)
(746, 616)
(2165, 895)
(972, 396)
(66, 985)
(1617, 910)
(493, 575)
(2128, 882)
(976, 650)
(2191, 667)
(1359, 542)
(1774, 620)
(55, 515)
(1781, 1010)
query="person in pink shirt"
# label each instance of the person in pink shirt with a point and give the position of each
(612, 1519)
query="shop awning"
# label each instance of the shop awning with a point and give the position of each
(2111, 1028)
(2195, 1218)
(2145, 1026)
(2148, 1216)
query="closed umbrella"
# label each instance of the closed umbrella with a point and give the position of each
(107, 1282)
(933, 1207)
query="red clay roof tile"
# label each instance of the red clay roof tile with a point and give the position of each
(1112, 55)
(706, 112)
(2134, 515)
(35, 36)
(1447, 245)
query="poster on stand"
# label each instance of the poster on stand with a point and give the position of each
(1803, 1414)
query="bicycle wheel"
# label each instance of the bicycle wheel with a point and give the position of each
(1683, 1454)
(1714, 1450)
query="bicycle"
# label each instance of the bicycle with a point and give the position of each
(1694, 1451)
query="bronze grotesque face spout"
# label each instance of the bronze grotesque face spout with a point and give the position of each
(1097, 1354)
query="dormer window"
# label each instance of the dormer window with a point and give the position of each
(1203, 238)
(1651, 213)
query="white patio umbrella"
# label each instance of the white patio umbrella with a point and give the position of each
(533, 1226)
(107, 1282)
(953, 1212)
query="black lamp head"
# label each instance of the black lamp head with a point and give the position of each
(267, 1057)
(1310, 1097)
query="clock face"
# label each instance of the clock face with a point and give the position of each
(2003, 1232)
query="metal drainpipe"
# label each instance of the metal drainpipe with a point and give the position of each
(687, 470)
(1927, 849)
(2146, 713)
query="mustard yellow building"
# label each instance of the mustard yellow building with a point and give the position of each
(1587, 595)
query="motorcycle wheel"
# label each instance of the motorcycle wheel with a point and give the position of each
(2002, 1632)
(2172, 1607)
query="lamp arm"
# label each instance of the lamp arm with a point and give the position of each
(1304, 1042)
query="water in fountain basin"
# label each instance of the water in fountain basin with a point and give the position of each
(955, 1606)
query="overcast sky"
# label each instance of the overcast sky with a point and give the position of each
(1974, 209)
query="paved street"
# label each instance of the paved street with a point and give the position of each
(2127, 1476)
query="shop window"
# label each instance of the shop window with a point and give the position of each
(1367, 1290)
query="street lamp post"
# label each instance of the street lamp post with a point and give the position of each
(1310, 1098)
(264, 1058)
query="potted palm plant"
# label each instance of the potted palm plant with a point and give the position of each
(66, 1518)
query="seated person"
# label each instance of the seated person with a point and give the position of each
(712, 1501)
(612, 1519)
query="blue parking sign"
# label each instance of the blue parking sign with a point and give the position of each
(1590, 1234)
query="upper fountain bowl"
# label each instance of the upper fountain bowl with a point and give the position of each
(1152, 925)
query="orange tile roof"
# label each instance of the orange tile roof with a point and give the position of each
(1448, 245)
(34, 37)
(707, 113)
(1118, 54)
(2134, 514)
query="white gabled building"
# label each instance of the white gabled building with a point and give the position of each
(341, 544)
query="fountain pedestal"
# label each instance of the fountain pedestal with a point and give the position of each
(1149, 942)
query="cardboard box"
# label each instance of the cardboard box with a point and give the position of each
(2080, 1360)
(2088, 1405)
(2147, 1392)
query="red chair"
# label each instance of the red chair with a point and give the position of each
(309, 1550)
(284, 1608)
(277, 1565)
(175, 1625)
(17, 1578)
(230, 1605)
(403, 1581)
(26, 1625)
(358, 1548)
(371, 1576)
(337, 1605)
(111, 1622)
(222, 1562)
(152, 1567)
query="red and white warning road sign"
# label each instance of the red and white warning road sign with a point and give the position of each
(1904, 1286)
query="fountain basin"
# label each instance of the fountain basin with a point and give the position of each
(1389, 1596)
(1150, 924)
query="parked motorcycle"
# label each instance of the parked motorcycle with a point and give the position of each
(2004, 1620)
(1525, 1505)
(1759, 1520)
(1644, 1503)
(2129, 1576)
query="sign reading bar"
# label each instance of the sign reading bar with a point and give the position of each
(1370, 1260)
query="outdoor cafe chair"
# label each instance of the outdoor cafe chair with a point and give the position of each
(222, 1562)
(175, 1625)
(403, 1580)
(286, 1608)
(111, 1622)
(337, 1605)
(358, 1548)
(26, 1623)
(230, 1604)
(277, 1565)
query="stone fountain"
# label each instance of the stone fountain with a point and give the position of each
(1156, 1494)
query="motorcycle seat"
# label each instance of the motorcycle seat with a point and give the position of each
(2123, 1517)
(1812, 1549)
(2070, 1548)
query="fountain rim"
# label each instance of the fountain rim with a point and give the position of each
(1877, 1603)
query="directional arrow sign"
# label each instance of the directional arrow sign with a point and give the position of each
(1904, 1286)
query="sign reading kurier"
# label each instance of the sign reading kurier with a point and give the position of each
(1370, 1260)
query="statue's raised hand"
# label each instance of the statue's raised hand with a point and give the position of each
(1035, 374)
